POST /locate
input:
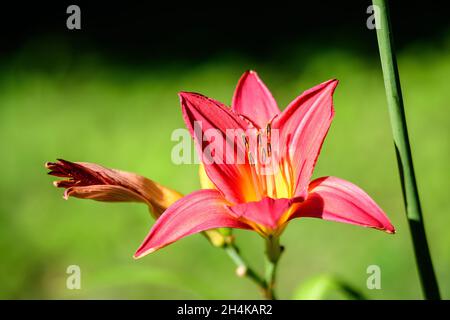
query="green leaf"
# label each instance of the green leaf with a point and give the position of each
(326, 287)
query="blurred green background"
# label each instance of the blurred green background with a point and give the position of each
(58, 102)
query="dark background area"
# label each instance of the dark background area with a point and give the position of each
(146, 30)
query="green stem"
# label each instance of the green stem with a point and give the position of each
(273, 253)
(269, 289)
(403, 150)
(243, 270)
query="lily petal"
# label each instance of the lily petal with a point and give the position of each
(93, 181)
(199, 211)
(264, 215)
(253, 100)
(105, 193)
(303, 127)
(227, 174)
(334, 199)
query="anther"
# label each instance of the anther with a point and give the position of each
(245, 141)
(250, 159)
(268, 131)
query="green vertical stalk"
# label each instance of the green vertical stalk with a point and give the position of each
(403, 150)
(273, 253)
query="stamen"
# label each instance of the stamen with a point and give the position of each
(251, 159)
(285, 177)
(274, 183)
(268, 131)
(263, 155)
(291, 175)
(245, 141)
(261, 162)
(269, 138)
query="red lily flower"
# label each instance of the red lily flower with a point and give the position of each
(246, 197)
